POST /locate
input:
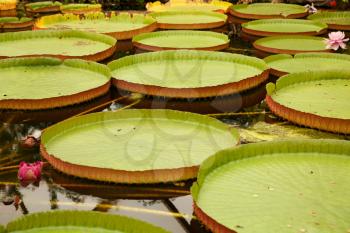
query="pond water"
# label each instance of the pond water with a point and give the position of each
(167, 205)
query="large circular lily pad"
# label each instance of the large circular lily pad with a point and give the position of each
(135, 146)
(81, 8)
(282, 64)
(43, 7)
(181, 39)
(122, 26)
(318, 99)
(46, 83)
(274, 27)
(188, 73)
(189, 19)
(216, 5)
(59, 43)
(268, 11)
(15, 23)
(291, 44)
(337, 20)
(79, 221)
(283, 186)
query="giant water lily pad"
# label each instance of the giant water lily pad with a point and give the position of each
(268, 11)
(122, 26)
(274, 27)
(80, 8)
(135, 146)
(215, 5)
(318, 99)
(282, 64)
(337, 20)
(46, 83)
(188, 73)
(291, 44)
(43, 7)
(189, 19)
(282, 186)
(15, 23)
(181, 39)
(79, 221)
(59, 43)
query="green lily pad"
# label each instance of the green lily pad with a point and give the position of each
(135, 146)
(121, 26)
(215, 5)
(281, 186)
(268, 10)
(2, 229)
(189, 19)
(291, 44)
(317, 99)
(36, 6)
(80, 221)
(80, 8)
(14, 20)
(274, 27)
(282, 63)
(44, 81)
(188, 73)
(338, 20)
(59, 43)
(181, 39)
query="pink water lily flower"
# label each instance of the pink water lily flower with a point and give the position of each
(336, 40)
(30, 172)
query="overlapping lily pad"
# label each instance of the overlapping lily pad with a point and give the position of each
(80, 221)
(188, 73)
(268, 11)
(189, 19)
(8, 23)
(135, 146)
(43, 7)
(291, 44)
(318, 99)
(274, 27)
(282, 64)
(80, 8)
(46, 83)
(181, 39)
(59, 43)
(216, 5)
(282, 186)
(122, 26)
(337, 20)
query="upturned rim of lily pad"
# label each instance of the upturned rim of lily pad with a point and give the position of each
(42, 34)
(218, 22)
(279, 23)
(43, 7)
(138, 40)
(322, 16)
(235, 11)
(150, 23)
(287, 57)
(222, 89)
(85, 219)
(330, 124)
(255, 151)
(259, 44)
(166, 174)
(60, 101)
